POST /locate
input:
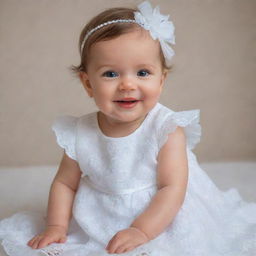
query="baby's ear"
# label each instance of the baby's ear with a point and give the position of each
(163, 78)
(86, 83)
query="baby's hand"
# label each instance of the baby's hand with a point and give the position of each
(126, 240)
(52, 234)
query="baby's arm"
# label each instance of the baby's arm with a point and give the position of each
(172, 178)
(60, 203)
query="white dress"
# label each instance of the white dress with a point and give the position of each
(117, 184)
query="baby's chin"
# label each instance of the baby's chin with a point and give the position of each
(124, 117)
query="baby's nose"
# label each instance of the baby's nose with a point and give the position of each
(127, 83)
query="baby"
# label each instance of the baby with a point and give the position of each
(124, 71)
(128, 181)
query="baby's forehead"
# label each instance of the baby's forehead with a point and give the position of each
(134, 36)
(136, 46)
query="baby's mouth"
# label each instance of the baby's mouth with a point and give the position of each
(127, 99)
(127, 103)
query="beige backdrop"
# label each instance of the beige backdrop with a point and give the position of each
(214, 71)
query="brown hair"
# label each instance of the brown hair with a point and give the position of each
(108, 32)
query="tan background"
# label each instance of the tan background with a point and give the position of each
(214, 71)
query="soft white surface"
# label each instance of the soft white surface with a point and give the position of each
(27, 188)
(241, 175)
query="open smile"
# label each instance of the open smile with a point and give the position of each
(127, 103)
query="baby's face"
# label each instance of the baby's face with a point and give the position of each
(125, 67)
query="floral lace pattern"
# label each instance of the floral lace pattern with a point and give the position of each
(118, 183)
(52, 251)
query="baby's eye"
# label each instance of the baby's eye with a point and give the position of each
(110, 74)
(143, 72)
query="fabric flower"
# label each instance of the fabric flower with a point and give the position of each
(158, 25)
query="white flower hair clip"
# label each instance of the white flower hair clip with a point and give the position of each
(158, 25)
(152, 20)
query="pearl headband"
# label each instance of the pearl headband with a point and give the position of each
(152, 20)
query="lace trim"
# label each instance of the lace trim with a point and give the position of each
(189, 120)
(52, 251)
(65, 131)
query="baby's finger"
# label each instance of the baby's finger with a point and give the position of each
(129, 249)
(109, 243)
(36, 242)
(113, 245)
(44, 242)
(121, 248)
(31, 241)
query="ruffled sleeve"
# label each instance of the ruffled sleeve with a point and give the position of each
(189, 120)
(65, 130)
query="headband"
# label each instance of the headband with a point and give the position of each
(152, 20)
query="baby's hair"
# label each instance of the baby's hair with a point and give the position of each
(108, 32)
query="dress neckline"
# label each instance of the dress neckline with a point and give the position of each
(99, 131)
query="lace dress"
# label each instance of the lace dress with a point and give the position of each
(117, 184)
